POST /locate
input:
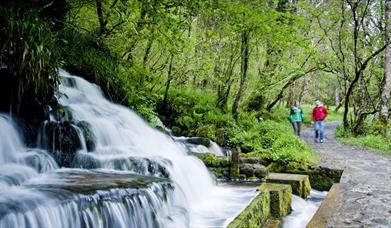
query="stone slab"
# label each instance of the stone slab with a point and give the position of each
(280, 198)
(326, 209)
(300, 183)
(255, 214)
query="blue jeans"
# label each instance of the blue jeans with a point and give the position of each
(319, 130)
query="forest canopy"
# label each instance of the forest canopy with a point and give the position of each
(221, 69)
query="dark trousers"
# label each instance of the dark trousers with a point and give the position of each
(296, 127)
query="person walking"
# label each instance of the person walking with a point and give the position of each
(296, 117)
(319, 113)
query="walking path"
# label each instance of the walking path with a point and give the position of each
(365, 186)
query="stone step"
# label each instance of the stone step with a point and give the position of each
(272, 202)
(255, 214)
(300, 183)
(280, 198)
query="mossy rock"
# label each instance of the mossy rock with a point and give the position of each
(199, 141)
(211, 160)
(220, 167)
(62, 113)
(255, 214)
(300, 183)
(250, 170)
(280, 198)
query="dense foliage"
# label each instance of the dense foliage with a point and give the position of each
(221, 69)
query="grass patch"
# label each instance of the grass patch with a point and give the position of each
(376, 142)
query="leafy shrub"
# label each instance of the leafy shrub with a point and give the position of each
(28, 53)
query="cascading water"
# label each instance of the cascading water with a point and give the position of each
(36, 193)
(303, 210)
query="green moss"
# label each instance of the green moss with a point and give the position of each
(220, 167)
(321, 178)
(300, 183)
(255, 214)
(280, 200)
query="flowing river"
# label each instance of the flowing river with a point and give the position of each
(133, 176)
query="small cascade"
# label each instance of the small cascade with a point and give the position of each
(17, 163)
(101, 165)
(303, 210)
(69, 198)
(199, 145)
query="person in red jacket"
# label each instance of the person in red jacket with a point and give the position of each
(319, 113)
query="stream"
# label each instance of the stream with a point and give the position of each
(303, 210)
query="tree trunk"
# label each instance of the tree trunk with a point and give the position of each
(147, 51)
(99, 11)
(168, 83)
(386, 84)
(303, 91)
(224, 88)
(291, 95)
(243, 71)
(337, 99)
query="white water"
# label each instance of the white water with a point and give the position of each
(193, 148)
(303, 210)
(123, 142)
(122, 133)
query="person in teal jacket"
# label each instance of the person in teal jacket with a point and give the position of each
(296, 117)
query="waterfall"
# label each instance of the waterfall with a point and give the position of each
(174, 189)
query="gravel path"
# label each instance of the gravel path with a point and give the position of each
(365, 183)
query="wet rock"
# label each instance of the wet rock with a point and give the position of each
(143, 166)
(199, 141)
(62, 141)
(62, 113)
(87, 182)
(89, 136)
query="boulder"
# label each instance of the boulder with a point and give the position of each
(62, 141)
(251, 170)
(300, 183)
(250, 160)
